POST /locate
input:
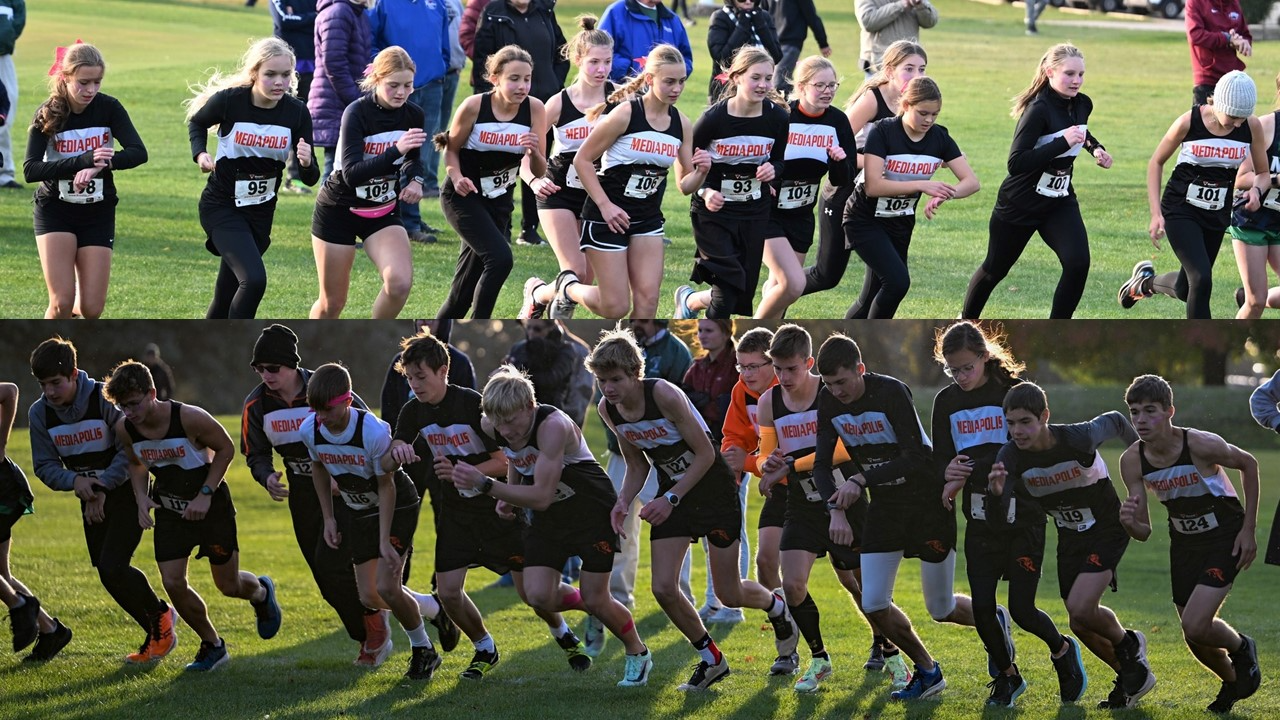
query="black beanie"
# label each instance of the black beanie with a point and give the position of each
(277, 345)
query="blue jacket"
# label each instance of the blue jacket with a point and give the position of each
(421, 27)
(294, 21)
(634, 35)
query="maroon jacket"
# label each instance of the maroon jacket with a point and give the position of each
(709, 385)
(1212, 54)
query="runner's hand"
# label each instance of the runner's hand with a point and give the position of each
(276, 489)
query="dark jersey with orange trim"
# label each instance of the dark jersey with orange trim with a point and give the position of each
(450, 428)
(583, 488)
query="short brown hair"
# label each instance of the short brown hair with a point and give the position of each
(617, 350)
(327, 382)
(128, 379)
(423, 348)
(838, 351)
(791, 341)
(1149, 388)
(54, 356)
(1026, 396)
(755, 340)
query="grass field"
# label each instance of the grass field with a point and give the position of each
(306, 671)
(154, 48)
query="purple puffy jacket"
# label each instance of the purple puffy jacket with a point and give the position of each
(342, 52)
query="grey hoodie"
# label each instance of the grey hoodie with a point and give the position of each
(44, 455)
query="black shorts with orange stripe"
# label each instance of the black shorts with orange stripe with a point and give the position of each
(1211, 564)
(1098, 549)
(1003, 555)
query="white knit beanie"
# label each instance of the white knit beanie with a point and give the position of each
(1235, 94)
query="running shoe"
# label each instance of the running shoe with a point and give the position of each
(423, 237)
(785, 665)
(268, 611)
(1116, 699)
(897, 668)
(1138, 286)
(162, 638)
(1135, 674)
(579, 660)
(562, 306)
(531, 309)
(819, 669)
(1225, 700)
(1006, 689)
(1239, 298)
(637, 670)
(922, 685)
(1245, 662)
(423, 663)
(593, 636)
(447, 630)
(530, 237)
(707, 610)
(786, 634)
(683, 312)
(726, 616)
(1073, 680)
(50, 644)
(875, 661)
(209, 657)
(24, 622)
(481, 664)
(1006, 627)
(705, 675)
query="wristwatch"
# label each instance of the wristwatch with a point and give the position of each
(485, 486)
(206, 490)
(672, 498)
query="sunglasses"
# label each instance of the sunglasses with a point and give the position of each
(264, 368)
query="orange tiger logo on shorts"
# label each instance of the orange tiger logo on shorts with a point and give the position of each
(1026, 563)
(604, 548)
(937, 546)
(395, 543)
(1216, 574)
(1094, 560)
(718, 534)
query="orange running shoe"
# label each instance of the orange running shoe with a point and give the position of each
(377, 644)
(161, 640)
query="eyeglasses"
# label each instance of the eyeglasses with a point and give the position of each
(823, 87)
(954, 371)
(132, 404)
(750, 368)
(265, 368)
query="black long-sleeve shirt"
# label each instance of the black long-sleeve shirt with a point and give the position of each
(54, 161)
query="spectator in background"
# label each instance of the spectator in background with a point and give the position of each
(553, 360)
(342, 40)
(1218, 35)
(1264, 405)
(4, 111)
(422, 30)
(709, 384)
(161, 373)
(1034, 8)
(738, 23)
(13, 18)
(294, 21)
(636, 26)
(794, 19)
(430, 156)
(395, 389)
(467, 26)
(886, 21)
(532, 25)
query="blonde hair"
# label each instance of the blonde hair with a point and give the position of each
(588, 36)
(1053, 58)
(894, 55)
(387, 62)
(807, 70)
(617, 350)
(508, 54)
(920, 89)
(246, 73)
(53, 113)
(659, 57)
(507, 392)
(744, 58)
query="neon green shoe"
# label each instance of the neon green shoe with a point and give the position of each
(819, 669)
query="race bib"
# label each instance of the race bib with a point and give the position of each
(492, 186)
(810, 486)
(571, 178)
(895, 206)
(1272, 200)
(792, 197)
(675, 467)
(1194, 525)
(359, 500)
(563, 492)
(171, 503)
(1075, 519)
(378, 190)
(1207, 197)
(740, 189)
(299, 467)
(91, 193)
(643, 184)
(978, 512)
(1054, 184)
(254, 189)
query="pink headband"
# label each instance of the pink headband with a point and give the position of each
(344, 397)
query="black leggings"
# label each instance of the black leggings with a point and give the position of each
(484, 260)
(111, 544)
(983, 583)
(833, 255)
(1062, 229)
(331, 568)
(887, 280)
(241, 240)
(1197, 249)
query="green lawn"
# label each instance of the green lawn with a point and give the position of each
(306, 671)
(154, 48)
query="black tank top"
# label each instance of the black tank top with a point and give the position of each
(356, 471)
(492, 153)
(633, 170)
(1200, 508)
(569, 132)
(583, 488)
(797, 437)
(179, 467)
(1202, 180)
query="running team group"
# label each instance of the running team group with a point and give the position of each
(839, 453)
(754, 164)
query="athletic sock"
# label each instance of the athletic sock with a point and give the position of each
(807, 619)
(821, 654)
(485, 644)
(559, 632)
(418, 636)
(777, 607)
(706, 647)
(887, 648)
(427, 605)
(1062, 650)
